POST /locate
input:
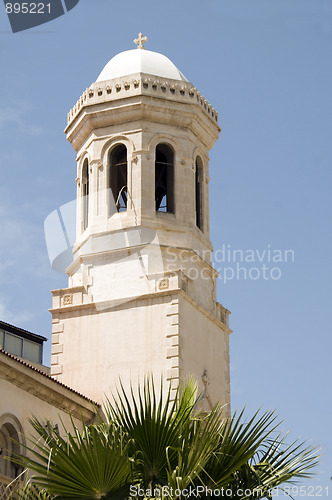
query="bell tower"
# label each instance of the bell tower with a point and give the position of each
(141, 295)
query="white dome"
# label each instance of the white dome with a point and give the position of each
(140, 61)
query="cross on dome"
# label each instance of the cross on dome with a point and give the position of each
(140, 41)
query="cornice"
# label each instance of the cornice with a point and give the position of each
(44, 387)
(135, 109)
(142, 84)
(174, 287)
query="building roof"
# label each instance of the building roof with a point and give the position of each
(22, 333)
(140, 61)
(40, 372)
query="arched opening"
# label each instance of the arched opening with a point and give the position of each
(199, 192)
(85, 193)
(9, 448)
(118, 177)
(164, 178)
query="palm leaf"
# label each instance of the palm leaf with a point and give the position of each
(30, 492)
(153, 423)
(275, 464)
(247, 457)
(153, 439)
(85, 465)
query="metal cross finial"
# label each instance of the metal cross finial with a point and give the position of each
(140, 41)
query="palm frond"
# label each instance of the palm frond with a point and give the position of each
(30, 491)
(276, 463)
(152, 438)
(85, 465)
(248, 457)
(152, 423)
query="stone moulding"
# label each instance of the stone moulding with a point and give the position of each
(173, 283)
(45, 387)
(141, 84)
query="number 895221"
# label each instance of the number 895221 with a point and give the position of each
(28, 8)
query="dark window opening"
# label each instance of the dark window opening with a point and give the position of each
(199, 193)
(118, 177)
(10, 448)
(85, 192)
(164, 179)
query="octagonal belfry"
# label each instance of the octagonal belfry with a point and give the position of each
(142, 291)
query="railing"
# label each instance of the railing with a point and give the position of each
(110, 90)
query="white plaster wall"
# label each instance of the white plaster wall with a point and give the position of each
(23, 405)
(204, 346)
(127, 341)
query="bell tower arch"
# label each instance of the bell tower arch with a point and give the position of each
(141, 295)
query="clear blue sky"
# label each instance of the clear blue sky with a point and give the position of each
(265, 65)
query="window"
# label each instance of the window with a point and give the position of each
(85, 193)
(199, 193)
(13, 344)
(118, 177)
(10, 437)
(31, 351)
(164, 179)
(21, 347)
